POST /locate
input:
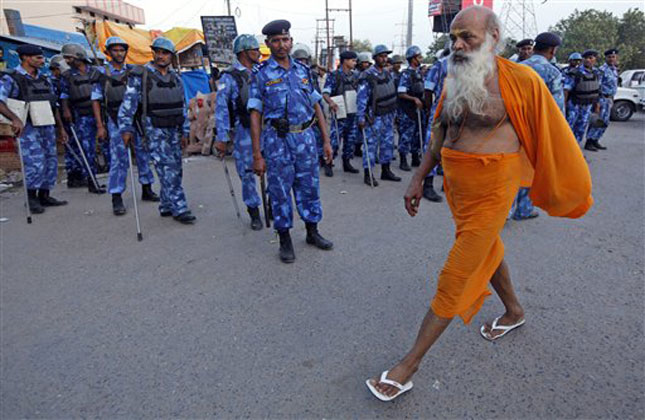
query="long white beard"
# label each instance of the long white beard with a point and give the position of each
(465, 85)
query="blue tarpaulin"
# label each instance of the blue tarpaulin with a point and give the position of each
(195, 81)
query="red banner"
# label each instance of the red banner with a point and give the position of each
(468, 3)
(434, 7)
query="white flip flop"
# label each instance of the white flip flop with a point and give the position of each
(402, 388)
(504, 328)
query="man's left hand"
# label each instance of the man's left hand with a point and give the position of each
(220, 146)
(329, 154)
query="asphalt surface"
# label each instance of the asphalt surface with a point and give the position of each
(204, 321)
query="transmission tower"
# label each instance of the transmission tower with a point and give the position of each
(519, 19)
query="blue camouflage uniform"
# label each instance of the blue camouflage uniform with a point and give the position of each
(578, 115)
(346, 128)
(608, 88)
(164, 144)
(379, 129)
(434, 83)
(38, 144)
(84, 126)
(118, 152)
(319, 142)
(292, 161)
(408, 124)
(228, 92)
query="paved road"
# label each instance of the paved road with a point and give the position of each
(204, 321)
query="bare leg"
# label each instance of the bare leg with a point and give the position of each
(501, 282)
(431, 328)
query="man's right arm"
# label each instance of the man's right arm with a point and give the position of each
(7, 85)
(255, 107)
(222, 116)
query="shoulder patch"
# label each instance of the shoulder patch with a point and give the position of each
(260, 66)
(273, 82)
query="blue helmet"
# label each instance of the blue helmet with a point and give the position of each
(162, 43)
(575, 56)
(115, 40)
(412, 52)
(380, 49)
(245, 42)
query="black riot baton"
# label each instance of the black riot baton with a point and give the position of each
(134, 195)
(24, 180)
(87, 164)
(265, 204)
(230, 186)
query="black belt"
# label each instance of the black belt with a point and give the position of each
(297, 128)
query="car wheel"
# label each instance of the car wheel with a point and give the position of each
(621, 111)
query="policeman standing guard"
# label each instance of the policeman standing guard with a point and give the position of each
(37, 135)
(581, 91)
(283, 106)
(233, 119)
(376, 111)
(608, 88)
(546, 45)
(343, 82)
(524, 49)
(114, 83)
(575, 59)
(410, 90)
(397, 61)
(79, 87)
(58, 66)
(160, 91)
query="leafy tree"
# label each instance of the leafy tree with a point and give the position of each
(631, 40)
(587, 29)
(362, 45)
(439, 44)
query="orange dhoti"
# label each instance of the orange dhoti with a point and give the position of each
(480, 189)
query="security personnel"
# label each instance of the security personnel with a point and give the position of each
(283, 106)
(160, 91)
(232, 119)
(377, 105)
(364, 61)
(524, 49)
(433, 86)
(37, 140)
(608, 88)
(581, 92)
(546, 45)
(79, 87)
(410, 91)
(301, 53)
(58, 66)
(397, 61)
(338, 83)
(113, 86)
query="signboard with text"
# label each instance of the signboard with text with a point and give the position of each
(219, 33)
(468, 3)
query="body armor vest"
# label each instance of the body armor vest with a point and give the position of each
(32, 90)
(415, 90)
(115, 86)
(164, 99)
(383, 93)
(238, 109)
(587, 88)
(80, 90)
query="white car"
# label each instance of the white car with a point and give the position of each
(626, 102)
(634, 79)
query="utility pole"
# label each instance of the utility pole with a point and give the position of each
(228, 6)
(329, 47)
(349, 10)
(408, 39)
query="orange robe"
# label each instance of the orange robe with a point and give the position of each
(480, 188)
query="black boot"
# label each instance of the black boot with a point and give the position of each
(357, 150)
(91, 188)
(597, 145)
(256, 222)
(387, 174)
(73, 180)
(83, 181)
(366, 178)
(34, 203)
(185, 218)
(147, 194)
(329, 171)
(286, 247)
(315, 238)
(47, 201)
(347, 166)
(415, 160)
(404, 163)
(117, 205)
(428, 191)
(589, 145)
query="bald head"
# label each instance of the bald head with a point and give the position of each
(469, 28)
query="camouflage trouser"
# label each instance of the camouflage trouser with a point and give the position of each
(38, 146)
(605, 110)
(85, 128)
(380, 133)
(347, 133)
(164, 145)
(578, 119)
(119, 161)
(428, 132)
(523, 205)
(409, 134)
(243, 154)
(292, 164)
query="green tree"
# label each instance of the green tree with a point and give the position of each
(587, 29)
(362, 45)
(631, 40)
(439, 44)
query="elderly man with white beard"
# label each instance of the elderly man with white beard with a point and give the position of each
(496, 121)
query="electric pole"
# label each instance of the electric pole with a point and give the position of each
(228, 6)
(408, 39)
